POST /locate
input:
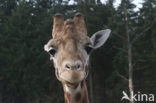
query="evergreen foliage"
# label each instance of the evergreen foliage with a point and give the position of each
(28, 76)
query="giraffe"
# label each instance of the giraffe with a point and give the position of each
(70, 48)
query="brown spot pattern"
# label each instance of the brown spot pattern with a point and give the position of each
(78, 97)
(74, 30)
(67, 97)
(82, 83)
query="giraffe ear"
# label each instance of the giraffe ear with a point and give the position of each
(99, 38)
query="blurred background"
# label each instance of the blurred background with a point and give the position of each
(26, 73)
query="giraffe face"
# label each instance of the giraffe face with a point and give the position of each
(70, 56)
(70, 48)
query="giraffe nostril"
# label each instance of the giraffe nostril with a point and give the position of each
(78, 66)
(73, 66)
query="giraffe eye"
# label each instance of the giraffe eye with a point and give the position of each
(52, 51)
(88, 49)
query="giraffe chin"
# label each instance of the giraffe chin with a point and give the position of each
(72, 76)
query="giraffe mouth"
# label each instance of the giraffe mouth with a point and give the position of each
(71, 85)
(72, 77)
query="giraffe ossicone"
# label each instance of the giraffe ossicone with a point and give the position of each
(70, 49)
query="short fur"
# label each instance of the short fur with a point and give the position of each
(70, 56)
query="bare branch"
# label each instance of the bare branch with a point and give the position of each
(121, 49)
(140, 68)
(139, 61)
(134, 64)
(142, 60)
(121, 76)
(121, 37)
(140, 34)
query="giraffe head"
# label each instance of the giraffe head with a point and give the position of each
(70, 47)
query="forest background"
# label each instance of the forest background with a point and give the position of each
(27, 75)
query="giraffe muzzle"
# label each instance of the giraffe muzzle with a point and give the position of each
(73, 66)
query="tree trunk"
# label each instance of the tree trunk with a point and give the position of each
(129, 48)
(91, 87)
(131, 90)
(1, 98)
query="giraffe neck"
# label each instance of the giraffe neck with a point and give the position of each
(76, 93)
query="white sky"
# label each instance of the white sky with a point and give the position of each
(138, 3)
